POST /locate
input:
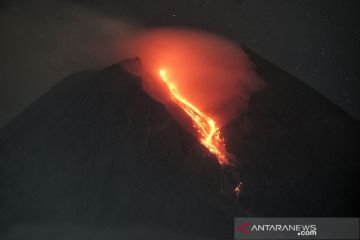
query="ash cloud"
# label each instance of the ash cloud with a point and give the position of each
(212, 72)
(44, 41)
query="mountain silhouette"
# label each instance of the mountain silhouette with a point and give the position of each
(97, 158)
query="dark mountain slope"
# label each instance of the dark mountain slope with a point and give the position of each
(299, 151)
(96, 150)
(97, 158)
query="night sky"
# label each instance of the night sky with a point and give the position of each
(317, 41)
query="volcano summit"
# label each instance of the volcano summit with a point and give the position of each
(98, 158)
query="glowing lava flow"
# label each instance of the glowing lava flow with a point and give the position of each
(210, 135)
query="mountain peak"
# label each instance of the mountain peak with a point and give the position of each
(97, 150)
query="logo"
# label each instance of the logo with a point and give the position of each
(244, 228)
(296, 228)
(299, 229)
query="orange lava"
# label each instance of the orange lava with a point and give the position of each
(209, 132)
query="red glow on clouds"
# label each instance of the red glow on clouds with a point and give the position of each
(212, 73)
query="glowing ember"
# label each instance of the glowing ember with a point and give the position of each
(237, 191)
(209, 132)
(238, 188)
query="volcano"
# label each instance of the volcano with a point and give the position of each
(97, 158)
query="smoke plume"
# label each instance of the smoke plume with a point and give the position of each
(44, 41)
(211, 72)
